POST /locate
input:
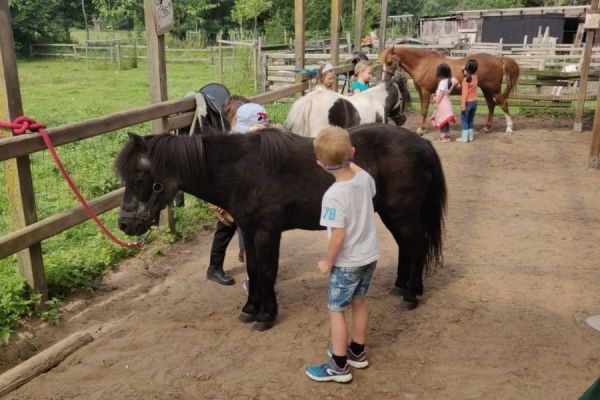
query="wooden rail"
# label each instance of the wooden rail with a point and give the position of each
(17, 146)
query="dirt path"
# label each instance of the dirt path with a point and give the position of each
(503, 320)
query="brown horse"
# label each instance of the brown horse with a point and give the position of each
(422, 65)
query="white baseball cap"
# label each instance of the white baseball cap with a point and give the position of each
(249, 116)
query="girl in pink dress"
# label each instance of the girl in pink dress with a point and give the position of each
(443, 115)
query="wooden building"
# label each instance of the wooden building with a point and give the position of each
(512, 25)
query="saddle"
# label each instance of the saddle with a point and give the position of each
(209, 107)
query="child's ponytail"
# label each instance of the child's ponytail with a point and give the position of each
(471, 69)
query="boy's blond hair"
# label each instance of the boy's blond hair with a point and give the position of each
(361, 66)
(332, 146)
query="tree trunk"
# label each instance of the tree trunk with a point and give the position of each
(87, 28)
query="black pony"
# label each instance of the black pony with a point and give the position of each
(269, 182)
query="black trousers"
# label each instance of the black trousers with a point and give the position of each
(223, 236)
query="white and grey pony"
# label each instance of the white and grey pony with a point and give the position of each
(321, 108)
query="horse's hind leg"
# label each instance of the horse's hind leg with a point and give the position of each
(491, 104)
(503, 103)
(410, 238)
(253, 304)
(425, 98)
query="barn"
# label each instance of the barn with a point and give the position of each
(511, 25)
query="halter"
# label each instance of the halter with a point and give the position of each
(399, 97)
(143, 212)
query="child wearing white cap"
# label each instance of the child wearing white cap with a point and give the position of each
(249, 117)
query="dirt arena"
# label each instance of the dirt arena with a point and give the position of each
(504, 319)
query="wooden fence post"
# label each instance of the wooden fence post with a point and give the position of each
(358, 24)
(157, 74)
(18, 179)
(299, 32)
(118, 55)
(221, 67)
(585, 70)
(135, 55)
(254, 68)
(383, 25)
(594, 159)
(265, 72)
(87, 56)
(335, 33)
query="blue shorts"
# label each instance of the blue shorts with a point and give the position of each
(346, 284)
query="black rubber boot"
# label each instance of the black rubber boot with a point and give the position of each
(216, 274)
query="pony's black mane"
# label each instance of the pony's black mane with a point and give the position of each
(274, 146)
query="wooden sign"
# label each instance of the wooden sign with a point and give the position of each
(163, 16)
(592, 21)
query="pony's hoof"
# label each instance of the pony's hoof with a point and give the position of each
(408, 305)
(420, 131)
(261, 326)
(247, 317)
(398, 291)
(487, 129)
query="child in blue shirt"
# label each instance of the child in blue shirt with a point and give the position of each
(363, 71)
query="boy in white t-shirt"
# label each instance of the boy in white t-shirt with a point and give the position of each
(352, 253)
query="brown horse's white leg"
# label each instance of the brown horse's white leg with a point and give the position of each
(425, 97)
(501, 101)
(491, 103)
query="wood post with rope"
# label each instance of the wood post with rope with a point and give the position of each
(157, 74)
(585, 66)
(19, 183)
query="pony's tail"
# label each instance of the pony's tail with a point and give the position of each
(432, 214)
(298, 118)
(511, 71)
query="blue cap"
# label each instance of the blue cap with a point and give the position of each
(249, 116)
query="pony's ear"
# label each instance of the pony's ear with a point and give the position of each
(137, 140)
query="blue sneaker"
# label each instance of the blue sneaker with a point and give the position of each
(354, 360)
(329, 371)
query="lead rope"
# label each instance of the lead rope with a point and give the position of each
(21, 125)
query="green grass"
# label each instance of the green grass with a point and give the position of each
(57, 92)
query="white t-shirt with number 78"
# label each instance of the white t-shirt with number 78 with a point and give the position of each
(349, 205)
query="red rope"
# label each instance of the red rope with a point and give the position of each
(23, 124)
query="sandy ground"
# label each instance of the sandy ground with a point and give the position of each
(504, 319)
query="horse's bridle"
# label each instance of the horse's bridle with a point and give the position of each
(144, 209)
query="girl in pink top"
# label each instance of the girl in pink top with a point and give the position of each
(443, 115)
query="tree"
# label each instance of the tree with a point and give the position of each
(34, 24)
(250, 9)
(191, 15)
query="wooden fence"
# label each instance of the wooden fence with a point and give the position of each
(178, 113)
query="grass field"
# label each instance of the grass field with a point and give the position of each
(57, 92)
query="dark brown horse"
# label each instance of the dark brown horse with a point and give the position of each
(270, 183)
(422, 65)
